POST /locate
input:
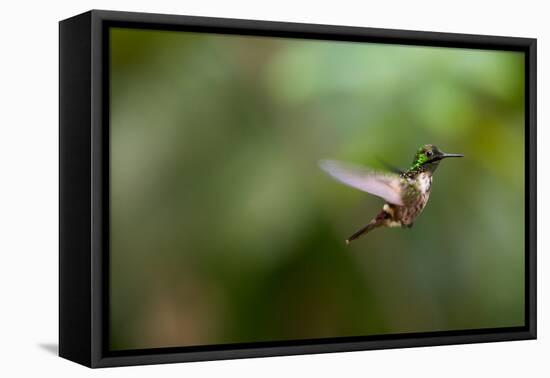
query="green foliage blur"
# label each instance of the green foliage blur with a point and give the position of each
(225, 230)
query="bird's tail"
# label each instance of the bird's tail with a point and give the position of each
(363, 231)
(378, 221)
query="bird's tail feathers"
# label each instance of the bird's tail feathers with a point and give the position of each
(378, 221)
(364, 230)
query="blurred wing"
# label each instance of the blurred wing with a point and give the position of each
(391, 167)
(386, 186)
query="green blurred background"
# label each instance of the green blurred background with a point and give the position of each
(224, 229)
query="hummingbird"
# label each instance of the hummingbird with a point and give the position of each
(406, 193)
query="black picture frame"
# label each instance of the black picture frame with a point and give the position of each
(84, 194)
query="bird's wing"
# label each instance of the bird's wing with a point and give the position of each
(386, 186)
(391, 167)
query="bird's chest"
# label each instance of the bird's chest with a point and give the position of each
(424, 183)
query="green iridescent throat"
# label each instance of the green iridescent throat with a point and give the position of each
(421, 158)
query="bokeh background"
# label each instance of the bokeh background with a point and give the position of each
(224, 229)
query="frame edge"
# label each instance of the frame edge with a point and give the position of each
(74, 189)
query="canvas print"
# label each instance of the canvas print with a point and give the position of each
(271, 189)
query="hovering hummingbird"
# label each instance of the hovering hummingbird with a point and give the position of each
(405, 193)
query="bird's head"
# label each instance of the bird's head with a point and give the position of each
(428, 157)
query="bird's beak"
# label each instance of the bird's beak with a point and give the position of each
(443, 156)
(451, 155)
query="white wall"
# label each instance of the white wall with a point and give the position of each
(28, 185)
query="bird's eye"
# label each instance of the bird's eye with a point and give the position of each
(429, 153)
